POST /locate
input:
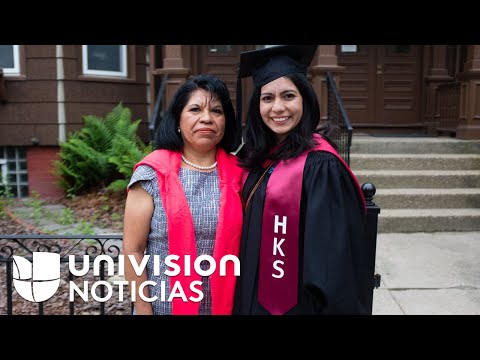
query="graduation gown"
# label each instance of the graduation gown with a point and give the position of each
(333, 259)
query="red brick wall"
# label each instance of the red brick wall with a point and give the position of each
(41, 178)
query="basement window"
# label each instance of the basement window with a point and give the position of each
(105, 60)
(10, 59)
(13, 173)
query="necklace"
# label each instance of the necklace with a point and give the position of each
(198, 166)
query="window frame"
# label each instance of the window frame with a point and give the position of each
(15, 71)
(6, 158)
(105, 73)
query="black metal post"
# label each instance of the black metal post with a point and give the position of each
(371, 230)
(9, 287)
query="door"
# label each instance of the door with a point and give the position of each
(380, 86)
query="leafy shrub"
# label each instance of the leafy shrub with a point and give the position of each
(101, 154)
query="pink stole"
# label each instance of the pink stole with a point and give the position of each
(278, 268)
(181, 234)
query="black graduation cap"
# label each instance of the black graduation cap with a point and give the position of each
(271, 63)
(268, 64)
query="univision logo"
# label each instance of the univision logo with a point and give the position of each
(38, 280)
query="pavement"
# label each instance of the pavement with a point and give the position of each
(428, 274)
(421, 273)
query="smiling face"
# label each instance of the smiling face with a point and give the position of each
(281, 106)
(202, 122)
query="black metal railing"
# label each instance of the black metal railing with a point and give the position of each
(339, 128)
(157, 114)
(371, 231)
(99, 302)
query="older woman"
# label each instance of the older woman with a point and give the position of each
(184, 201)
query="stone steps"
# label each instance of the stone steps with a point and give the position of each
(413, 145)
(423, 184)
(416, 161)
(420, 178)
(428, 220)
(450, 198)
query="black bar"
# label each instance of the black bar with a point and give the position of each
(9, 288)
(371, 230)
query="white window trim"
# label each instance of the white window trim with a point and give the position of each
(123, 64)
(16, 62)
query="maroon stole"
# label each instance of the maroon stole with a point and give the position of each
(278, 268)
(181, 234)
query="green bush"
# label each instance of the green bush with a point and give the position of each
(102, 154)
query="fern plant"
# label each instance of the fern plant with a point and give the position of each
(126, 153)
(100, 153)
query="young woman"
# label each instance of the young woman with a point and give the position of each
(302, 248)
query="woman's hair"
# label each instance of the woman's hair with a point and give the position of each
(260, 139)
(167, 137)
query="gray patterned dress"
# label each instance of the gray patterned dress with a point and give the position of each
(203, 195)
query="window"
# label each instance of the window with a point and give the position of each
(14, 177)
(105, 60)
(349, 48)
(220, 49)
(3, 176)
(398, 49)
(9, 59)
